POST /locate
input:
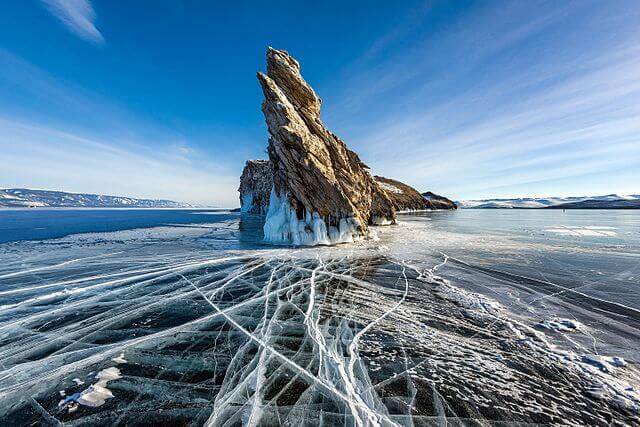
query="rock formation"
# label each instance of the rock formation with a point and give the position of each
(407, 198)
(435, 201)
(404, 197)
(313, 189)
(322, 192)
(255, 186)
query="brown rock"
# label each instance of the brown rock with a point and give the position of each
(404, 197)
(407, 198)
(324, 193)
(435, 201)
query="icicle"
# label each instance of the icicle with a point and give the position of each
(282, 226)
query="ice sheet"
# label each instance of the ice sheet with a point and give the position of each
(392, 332)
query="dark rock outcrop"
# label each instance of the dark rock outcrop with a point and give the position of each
(407, 198)
(322, 192)
(435, 201)
(255, 186)
(403, 196)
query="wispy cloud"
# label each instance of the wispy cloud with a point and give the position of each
(78, 16)
(99, 146)
(41, 157)
(502, 105)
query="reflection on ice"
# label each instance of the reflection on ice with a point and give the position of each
(214, 333)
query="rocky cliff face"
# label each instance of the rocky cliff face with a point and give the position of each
(255, 186)
(435, 201)
(322, 192)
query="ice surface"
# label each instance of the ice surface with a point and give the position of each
(563, 325)
(584, 231)
(604, 363)
(120, 359)
(209, 330)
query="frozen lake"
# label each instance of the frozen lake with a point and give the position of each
(183, 317)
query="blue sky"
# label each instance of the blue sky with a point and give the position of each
(467, 99)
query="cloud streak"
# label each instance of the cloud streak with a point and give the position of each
(78, 16)
(97, 146)
(505, 107)
(39, 157)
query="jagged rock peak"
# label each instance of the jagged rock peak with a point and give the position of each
(285, 72)
(322, 191)
(255, 186)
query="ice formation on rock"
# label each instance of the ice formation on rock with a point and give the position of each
(316, 178)
(283, 226)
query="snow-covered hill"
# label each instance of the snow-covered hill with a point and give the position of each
(613, 201)
(22, 197)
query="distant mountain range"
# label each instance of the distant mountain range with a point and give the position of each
(23, 197)
(610, 201)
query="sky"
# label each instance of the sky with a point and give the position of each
(469, 99)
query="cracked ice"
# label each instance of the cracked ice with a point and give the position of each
(354, 335)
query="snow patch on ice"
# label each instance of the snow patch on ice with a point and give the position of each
(604, 363)
(562, 325)
(98, 393)
(469, 300)
(95, 395)
(120, 359)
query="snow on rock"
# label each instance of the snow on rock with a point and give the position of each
(407, 199)
(389, 188)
